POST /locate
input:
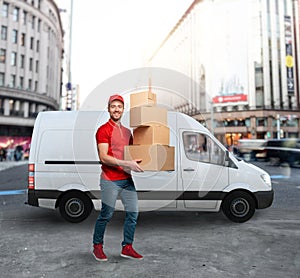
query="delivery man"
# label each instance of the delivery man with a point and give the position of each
(116, 180)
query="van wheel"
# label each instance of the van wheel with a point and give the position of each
(238, 206)
(75, 207)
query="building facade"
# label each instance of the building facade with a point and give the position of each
(31, 50)
(244, 57)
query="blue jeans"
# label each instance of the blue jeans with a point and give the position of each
(110, 190)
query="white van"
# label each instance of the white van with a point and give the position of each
(64, 170)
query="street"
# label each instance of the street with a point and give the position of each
(37, 242)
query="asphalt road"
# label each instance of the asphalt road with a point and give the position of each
(37, 242)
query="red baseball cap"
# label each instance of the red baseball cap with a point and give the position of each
(115, 97)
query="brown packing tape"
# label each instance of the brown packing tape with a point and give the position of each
(154, 157)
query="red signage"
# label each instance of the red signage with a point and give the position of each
(230, 98)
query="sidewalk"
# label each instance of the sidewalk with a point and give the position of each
(9, 164)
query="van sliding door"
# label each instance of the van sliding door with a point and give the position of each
(158, 189)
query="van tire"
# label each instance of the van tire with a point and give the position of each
(75, 206)
(238, 206)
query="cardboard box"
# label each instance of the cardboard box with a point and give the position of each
(154, 157)
(142, 99)
(145, 116)
(149, 135)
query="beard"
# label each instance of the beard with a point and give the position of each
(116, 116)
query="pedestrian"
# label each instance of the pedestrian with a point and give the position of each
(1, 154)
(116, 180)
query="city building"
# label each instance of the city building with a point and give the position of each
(31, 51)
(244, 57)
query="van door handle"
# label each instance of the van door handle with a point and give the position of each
(189, 169)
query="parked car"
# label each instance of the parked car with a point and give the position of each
(279, 151)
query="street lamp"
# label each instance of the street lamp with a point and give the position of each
(212, 116)
(69, 84)
(278, 126)
(66, 104)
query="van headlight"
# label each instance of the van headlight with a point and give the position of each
(267, 179)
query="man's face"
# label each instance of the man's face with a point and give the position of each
(115, 110)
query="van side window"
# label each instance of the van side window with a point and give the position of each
(200, 147)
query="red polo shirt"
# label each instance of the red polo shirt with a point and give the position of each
(116, 136)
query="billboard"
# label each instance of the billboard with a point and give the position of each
(289, 59)
(230, 98)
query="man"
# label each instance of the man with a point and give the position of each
(116, 180)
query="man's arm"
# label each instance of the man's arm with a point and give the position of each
(111, 161)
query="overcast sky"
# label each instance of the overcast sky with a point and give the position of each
(112, 36)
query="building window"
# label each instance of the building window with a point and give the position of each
(24, 18)
(39, 25)
(13, 59)
(5, 9)
(35, 86)
(16, 14)
(23, 39)
(11, 105)
(31, 42)
(30, 64)
(22, 61)
(36, 66)
(2, 78)
(14, 36)
(39, 4)
(12, 83)
(33, 22)
(21, 82)
(261, 122)
(29, 84)
(3, 33)
(285, 7)
(37, 46)
(2, 55)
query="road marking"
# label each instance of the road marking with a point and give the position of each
(13, 192)
(279, 177)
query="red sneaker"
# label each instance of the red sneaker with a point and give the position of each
(98, 253)
(129, 252)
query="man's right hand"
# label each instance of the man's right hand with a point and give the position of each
(133, 165)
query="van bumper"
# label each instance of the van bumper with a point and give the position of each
(32, 199)
(264, 198)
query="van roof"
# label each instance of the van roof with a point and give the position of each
(91, 120)
(68, 119)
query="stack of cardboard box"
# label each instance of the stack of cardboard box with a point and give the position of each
(151, 135)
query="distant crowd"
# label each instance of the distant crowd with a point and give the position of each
(16, 154)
